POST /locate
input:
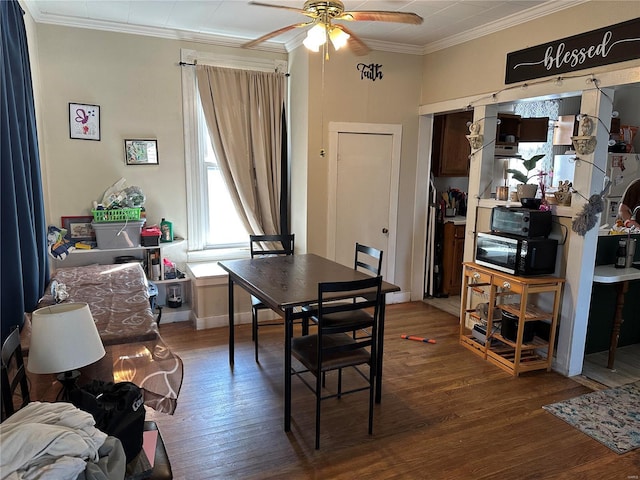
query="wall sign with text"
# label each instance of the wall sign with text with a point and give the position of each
(372, 71)
(613, 44)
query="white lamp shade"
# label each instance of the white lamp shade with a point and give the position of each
(338, 38)
(316, 37)
(63, 337)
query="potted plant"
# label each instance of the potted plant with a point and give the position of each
(525, 189)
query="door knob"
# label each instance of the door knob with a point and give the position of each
(385, 230)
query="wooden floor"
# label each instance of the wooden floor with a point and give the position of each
(445, 414)
(594, 369)
(626, 367)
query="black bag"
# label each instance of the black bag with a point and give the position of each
(118, 409)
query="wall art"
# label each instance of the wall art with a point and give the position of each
(141, 152)
(84, 121)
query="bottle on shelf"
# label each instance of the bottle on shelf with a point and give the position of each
(166, 228)
(621, 254)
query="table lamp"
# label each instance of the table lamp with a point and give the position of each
(64, 338)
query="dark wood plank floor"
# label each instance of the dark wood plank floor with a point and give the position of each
(445, 414)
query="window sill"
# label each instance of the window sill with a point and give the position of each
(214, 255)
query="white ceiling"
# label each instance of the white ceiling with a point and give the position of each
(233, 22)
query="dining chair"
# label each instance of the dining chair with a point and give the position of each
(367, 260)
(266, 246)
(13, 374)
(333, 347)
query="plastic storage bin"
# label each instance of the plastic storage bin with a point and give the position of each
(116, 215)
(114, 235)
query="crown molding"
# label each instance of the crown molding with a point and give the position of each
(547, 8)
(530, 14)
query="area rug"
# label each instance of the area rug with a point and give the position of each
(610, 416)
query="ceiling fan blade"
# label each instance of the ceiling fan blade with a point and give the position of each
(357, 46)
(275, 33)
(381, 16)
(284, 7)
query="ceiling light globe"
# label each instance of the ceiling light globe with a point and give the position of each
(338, 38)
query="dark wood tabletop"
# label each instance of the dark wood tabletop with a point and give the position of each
(292, 280)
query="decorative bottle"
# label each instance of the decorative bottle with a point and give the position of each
(167, 231)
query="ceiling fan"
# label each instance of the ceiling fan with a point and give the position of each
(323, 13)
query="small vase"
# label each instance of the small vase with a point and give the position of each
(527, 190)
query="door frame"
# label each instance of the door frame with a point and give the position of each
(395, 130)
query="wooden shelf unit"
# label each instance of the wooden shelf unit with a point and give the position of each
(513, 356)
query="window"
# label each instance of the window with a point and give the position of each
(214, 228)
(223, 227)
(545, 108)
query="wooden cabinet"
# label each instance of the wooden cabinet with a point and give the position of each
(452, 255)
(450, 147)
(514, 129)
(514, 295)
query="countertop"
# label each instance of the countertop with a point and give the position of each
(611, 274)
(457, 220)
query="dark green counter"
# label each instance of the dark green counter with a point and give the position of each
(603, 303)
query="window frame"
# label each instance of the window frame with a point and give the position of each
(196, 174)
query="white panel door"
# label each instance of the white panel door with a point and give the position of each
(363, 201)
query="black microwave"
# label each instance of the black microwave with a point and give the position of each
(524, 222)
(516, 255)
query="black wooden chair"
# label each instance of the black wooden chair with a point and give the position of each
(367, 260)
(266, 246)
(13, 375)
(332, 348)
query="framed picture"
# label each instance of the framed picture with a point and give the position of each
(84, 121)
(79, 228)
(141, 152)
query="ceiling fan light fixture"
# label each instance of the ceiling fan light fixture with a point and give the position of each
(338, 38)
(316, 37)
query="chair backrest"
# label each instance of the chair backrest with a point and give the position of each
(13, 374)
(348, 313)
(269, 245)
(366, 258)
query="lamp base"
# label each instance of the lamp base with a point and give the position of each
(68, 381)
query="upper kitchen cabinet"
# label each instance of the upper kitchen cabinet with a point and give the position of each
(450, 147)
(514, 129)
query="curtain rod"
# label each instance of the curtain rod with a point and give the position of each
(195, 62)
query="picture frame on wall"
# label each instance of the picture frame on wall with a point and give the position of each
(79, 228)
(84, 121)
(141, 152)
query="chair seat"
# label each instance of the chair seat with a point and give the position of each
(305, 349)
(256, 303)
(349, 319)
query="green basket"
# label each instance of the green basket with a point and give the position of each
(116, 215)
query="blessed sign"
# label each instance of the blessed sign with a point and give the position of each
(617, 43)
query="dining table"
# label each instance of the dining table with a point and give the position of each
(286, 284)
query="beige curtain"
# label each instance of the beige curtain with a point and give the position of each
(243, 110)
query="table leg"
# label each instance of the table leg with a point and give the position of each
(379, 350)
(288, 333)
(622, 289)
(231, 323)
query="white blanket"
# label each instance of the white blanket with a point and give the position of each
(48, 441)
